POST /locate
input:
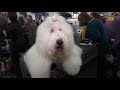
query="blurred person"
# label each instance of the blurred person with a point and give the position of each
(103, 18)
(3, 25)
(21, 19)
(44, 15)
(109, 27)
(95, 32)
(37, 23)
(116, 42)
(113, 30)
(30, 28)
(83, 24)
(4, 44)
(15, 33)
(83, 32)
(4, 14)
(3, 29)
(97, 15)
(40, 20)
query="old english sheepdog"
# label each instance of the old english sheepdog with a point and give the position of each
(54, 43)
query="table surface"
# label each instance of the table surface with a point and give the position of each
(89, 53)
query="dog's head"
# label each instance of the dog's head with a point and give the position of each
(55, 36)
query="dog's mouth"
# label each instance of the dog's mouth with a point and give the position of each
(59, 53)
(59, 47)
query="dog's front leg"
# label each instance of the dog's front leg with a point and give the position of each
(72, 63)
(40, 68)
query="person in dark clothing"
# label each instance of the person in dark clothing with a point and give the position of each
(15, 33)
(3, 29)
(97, 15)
(113, 30)
(37, 23)
(116, 43)
(109, 27)
(95, 32)
(21, 19)
(103, 19)
(2, 36)
(3, 25)
(30, 29)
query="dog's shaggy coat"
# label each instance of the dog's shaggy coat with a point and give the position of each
(45, 51)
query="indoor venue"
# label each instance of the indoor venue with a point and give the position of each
(60, 45)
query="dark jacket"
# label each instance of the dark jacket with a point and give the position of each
(109, 27)
(15, 33)
(113, 30)
(21, 20)
(3, 23)
(3, 26)
(30, 29)
(96, 33)
(117, 31)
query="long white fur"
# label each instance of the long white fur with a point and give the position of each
(39, 57)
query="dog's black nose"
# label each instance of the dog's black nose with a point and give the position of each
(60, 42)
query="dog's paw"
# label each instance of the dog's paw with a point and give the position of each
(71, 68)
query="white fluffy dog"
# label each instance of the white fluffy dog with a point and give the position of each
(54, 43)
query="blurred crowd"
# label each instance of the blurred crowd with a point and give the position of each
(20, 32)
(104, 32)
